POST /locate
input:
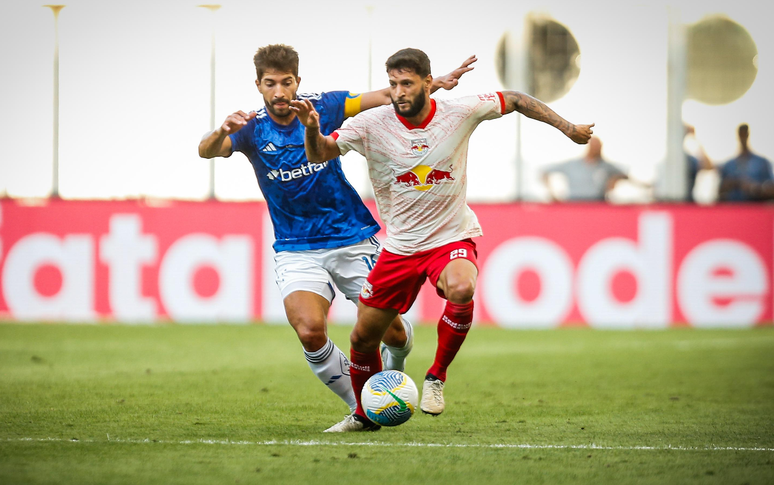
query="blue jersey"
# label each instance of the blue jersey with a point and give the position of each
(312, 206)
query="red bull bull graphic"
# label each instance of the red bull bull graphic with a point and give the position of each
(437, 176)
(409, 178)
(423, 177)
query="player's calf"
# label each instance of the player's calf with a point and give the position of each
(394, 358)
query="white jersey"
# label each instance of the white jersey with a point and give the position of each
(419, 172)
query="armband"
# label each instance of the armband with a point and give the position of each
(352, 104)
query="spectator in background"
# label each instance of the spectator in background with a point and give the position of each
(590, 178)
(694, 164)
(696, 160)
(748, 177)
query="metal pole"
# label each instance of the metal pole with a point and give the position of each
(55, 169)
(675, 170)
(517, 65)
(212, 8)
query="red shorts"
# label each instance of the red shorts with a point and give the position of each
(395, 280)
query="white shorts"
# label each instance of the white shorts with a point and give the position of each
(317, 270)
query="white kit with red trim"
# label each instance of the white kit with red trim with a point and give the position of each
(419, 172)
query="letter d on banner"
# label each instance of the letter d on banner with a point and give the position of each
(650, 262)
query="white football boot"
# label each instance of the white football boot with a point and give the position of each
(432, 397)
(353, 422)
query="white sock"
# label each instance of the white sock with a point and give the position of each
(396, 356)
(331, 366)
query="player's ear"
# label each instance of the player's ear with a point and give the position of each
(429, 81)
(298, 80)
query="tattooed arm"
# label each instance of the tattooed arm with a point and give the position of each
(537, 110)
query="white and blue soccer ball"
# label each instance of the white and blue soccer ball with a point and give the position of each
(389, 398)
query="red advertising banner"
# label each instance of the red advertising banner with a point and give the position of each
(541, 266)
(626, 266)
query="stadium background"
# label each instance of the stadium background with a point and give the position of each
(134, 100)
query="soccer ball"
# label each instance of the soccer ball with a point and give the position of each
(389, 398)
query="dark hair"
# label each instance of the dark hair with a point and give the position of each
(410, 60)
(276, 56)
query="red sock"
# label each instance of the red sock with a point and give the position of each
(361, 367)
(452, 330)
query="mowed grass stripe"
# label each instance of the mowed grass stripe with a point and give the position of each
(238, 404)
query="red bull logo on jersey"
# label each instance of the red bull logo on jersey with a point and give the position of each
(419, 146)
(424, 178)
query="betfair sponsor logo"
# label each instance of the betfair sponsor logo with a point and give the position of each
(304, 171)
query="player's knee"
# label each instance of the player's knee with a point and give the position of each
(363, 342)
(460, 292)
(312, 336)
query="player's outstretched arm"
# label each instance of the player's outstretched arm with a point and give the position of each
(217, 142)
(319, 148)
(537, 110)
(447, 81)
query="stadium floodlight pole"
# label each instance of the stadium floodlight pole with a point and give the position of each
(212, 8)
(517, 42)
(676, 164)
(55, 182)
(519, 77)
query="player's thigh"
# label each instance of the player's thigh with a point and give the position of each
(307, 313)
(458, 280)
(349, 266)
(454, 270)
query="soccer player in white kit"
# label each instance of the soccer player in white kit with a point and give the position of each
(417, 159)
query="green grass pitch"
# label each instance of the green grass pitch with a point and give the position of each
(176, 404)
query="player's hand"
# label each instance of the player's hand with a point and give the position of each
(580, 134)
(235, 121)
(450, 80)
(307, 115)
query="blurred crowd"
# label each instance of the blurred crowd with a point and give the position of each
(748, 177)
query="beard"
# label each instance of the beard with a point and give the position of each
(283, 112)
(415, 106)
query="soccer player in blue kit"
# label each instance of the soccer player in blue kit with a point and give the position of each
(324, 234)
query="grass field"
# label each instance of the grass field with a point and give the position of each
(227, 404)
